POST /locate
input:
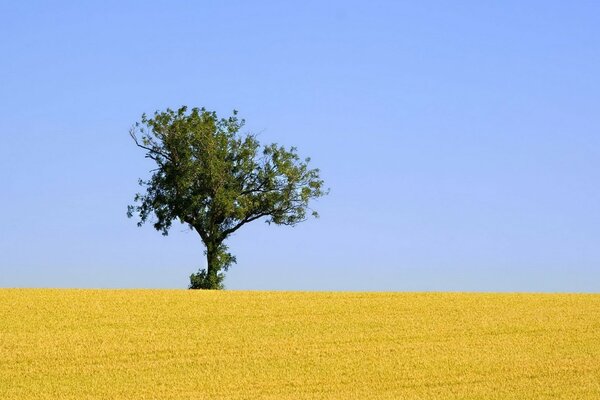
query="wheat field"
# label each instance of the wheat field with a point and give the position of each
(179, 344)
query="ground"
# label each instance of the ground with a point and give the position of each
(179, 344)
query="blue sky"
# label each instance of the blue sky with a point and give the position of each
(460, 140)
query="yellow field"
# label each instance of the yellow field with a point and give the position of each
(157, 344)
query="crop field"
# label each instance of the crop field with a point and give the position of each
(179, 344)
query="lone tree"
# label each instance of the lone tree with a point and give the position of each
(216, 180)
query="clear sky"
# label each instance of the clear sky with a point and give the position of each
(460, 140)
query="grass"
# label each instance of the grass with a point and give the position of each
(159, 344)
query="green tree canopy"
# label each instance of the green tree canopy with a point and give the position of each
(213, 178)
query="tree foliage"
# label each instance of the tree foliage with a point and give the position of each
(213, 178)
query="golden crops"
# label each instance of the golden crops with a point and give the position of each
(158, 344)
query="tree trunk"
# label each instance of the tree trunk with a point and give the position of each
(209, 278)
(212, 266)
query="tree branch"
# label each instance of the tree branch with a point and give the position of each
(150, 149)
(202, 233)
(237, 226)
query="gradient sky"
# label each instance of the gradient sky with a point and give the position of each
(460, 140)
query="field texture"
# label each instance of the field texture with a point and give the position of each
(154, 344)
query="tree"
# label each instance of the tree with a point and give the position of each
(216, 180)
